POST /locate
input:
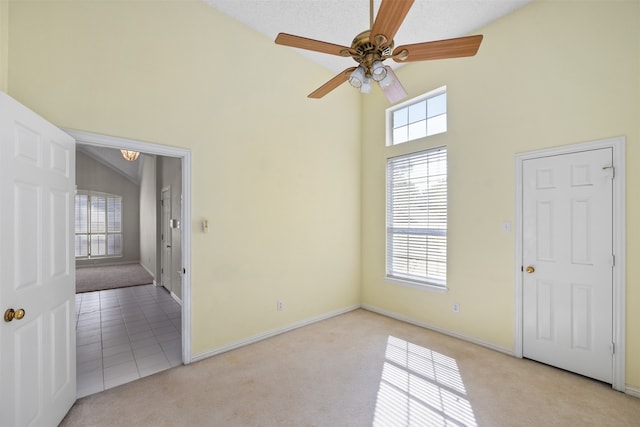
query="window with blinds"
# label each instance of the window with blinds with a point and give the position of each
(417, 217)
(98, 225)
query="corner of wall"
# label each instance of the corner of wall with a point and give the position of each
(4, 46)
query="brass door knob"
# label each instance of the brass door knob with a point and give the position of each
(11, 314)
(530, 269)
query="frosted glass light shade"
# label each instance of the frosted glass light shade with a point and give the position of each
(366, 85)
(392, 87)
(378, 71)
(357, 77)
(130, 155)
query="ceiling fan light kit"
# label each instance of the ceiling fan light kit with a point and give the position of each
(372, 47)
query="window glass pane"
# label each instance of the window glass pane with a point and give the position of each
(114, 214)
(437, 125)
(418, 130)
(400, 135)
(98, 245)
(400, 118)
(98, 214)
(114, 244)
(81, 245)
(82, 220)
(437, 105)
(418, 111)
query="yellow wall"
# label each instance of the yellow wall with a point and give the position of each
(552, 73)
(4, 43)
(276, 174)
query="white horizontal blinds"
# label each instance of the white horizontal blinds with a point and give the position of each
(114, 225)
(82, 225)
(98, 225)
(417, 217)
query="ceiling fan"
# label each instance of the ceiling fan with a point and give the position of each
(373, 46)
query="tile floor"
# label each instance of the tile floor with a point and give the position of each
(125, 334)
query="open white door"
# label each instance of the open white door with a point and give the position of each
(37, 268)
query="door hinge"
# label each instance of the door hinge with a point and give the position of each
(613, 348)
(611, 170)
(613, 260)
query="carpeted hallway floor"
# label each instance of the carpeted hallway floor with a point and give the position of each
(360, 369)
(99, 278)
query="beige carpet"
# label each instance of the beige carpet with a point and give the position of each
(89, 279)
(360, 369)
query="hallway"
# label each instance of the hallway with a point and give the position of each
(125, 334)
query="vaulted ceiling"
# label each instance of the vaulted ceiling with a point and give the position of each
(339, 21)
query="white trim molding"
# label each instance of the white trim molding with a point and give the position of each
(184, 154)
(633, 391)
(444, 331)
(269, 334)
(617, 144)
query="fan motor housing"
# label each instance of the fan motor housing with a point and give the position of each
(368, 51)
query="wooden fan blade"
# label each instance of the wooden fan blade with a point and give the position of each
(389, 18)
(332, 84)
(441, 49)
(311, 44)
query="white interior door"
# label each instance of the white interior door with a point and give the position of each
(568, 262)
(37, 274)
(166, 239)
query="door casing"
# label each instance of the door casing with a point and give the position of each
(98, 140)
(619, 245)
(165, 243)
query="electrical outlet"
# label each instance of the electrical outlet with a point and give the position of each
(456, 307)
(280, 305)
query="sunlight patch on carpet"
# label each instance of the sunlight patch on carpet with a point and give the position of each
(419, 386)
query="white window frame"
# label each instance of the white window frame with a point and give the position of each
(415, 224)
(427, 119)
(106, 231)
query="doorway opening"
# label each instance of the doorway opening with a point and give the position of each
(168, 298)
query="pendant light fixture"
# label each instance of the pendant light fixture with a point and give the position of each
(130, 156)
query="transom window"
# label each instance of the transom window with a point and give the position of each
(419, 117)
(417, 217)
(98, 225)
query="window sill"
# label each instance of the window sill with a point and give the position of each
(416, 285)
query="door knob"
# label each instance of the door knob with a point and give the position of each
(530, 269)
(11, 314)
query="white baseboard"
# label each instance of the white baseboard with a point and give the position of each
(149, 271)
(438, 329)
(269, 334)
(632, 391)
(175, 297)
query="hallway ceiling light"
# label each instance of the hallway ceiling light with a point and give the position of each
(130, 155)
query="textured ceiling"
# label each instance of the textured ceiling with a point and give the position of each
(339, 21)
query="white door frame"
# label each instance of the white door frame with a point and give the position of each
(167, 237)
(617, 144)
(161, 150)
